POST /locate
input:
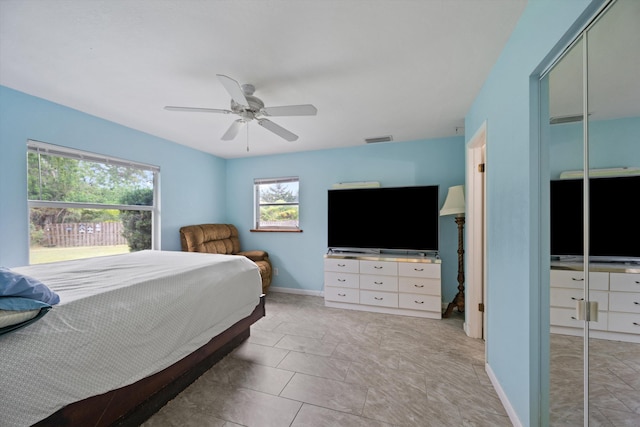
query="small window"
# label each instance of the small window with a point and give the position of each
(276, 204)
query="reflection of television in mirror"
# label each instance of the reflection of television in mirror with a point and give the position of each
(613, 211)
(384, 218)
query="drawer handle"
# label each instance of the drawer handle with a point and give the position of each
(419, 302)
(574, 317)
(377, 267)
(636, 303)
(342, 295)
(378, 283)
(577, 280)
(342, 265)
(342, 280)
(418, 269)
(636, 323)
(577, 299)
(418, 286)
(637, 282)
(379, 299)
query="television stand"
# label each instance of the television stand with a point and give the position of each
(407, 285)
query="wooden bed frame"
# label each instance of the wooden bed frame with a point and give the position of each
(133, 404)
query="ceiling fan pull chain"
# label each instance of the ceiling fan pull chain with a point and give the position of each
(247, 137)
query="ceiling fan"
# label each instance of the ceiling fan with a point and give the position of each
(249, 108)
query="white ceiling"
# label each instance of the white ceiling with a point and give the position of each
(406, 68)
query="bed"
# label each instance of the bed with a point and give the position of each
(129, 333)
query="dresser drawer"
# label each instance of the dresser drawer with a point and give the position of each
(420, 302)
(567, 317)
(379, 283)
(344, 280)
(625, 282)
(386, 268)
(341, 294)
(419, 269)
(624, 301)
(382, 299)
(575, 279)
(563, 297)
(341, 265)
(418, 285)
(624, 322)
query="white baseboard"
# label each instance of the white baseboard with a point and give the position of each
(296, 291)
(503, 397)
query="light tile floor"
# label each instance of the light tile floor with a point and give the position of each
(309, 365)
(614, 389)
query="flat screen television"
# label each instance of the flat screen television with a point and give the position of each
(393, 218)
(613, 211)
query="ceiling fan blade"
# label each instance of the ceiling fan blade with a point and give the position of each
(234, 89)
(291, 110)
(196, 109)
(277, 129)
(233, 130)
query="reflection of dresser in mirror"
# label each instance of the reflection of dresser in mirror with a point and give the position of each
(616, 289)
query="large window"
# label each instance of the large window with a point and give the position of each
(83, 205)
(276, 204)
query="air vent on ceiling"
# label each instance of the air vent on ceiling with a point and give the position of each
(373, 140)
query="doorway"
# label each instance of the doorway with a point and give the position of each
(476, 243)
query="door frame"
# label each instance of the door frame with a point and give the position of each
(475, 320)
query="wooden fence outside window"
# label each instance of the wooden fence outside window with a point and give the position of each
(84, 234)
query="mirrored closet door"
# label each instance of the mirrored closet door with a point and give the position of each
(591, 98)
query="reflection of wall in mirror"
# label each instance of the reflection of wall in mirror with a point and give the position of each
(612, 144)
(613, 95)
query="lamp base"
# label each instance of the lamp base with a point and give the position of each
(458, 301)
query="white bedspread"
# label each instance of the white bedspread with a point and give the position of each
(121, 318)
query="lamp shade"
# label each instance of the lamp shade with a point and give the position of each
(454, 204)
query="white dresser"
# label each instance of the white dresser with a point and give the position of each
(615, 287)
(404, 285)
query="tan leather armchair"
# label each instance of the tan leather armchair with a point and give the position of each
(223, 239)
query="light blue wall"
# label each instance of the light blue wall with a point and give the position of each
(515, 251)
(612, 144)
(192, 183)
(299, 256)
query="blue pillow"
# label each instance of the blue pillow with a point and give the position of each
(17, 312)
(14, 284)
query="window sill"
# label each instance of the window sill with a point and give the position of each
(275, 230)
